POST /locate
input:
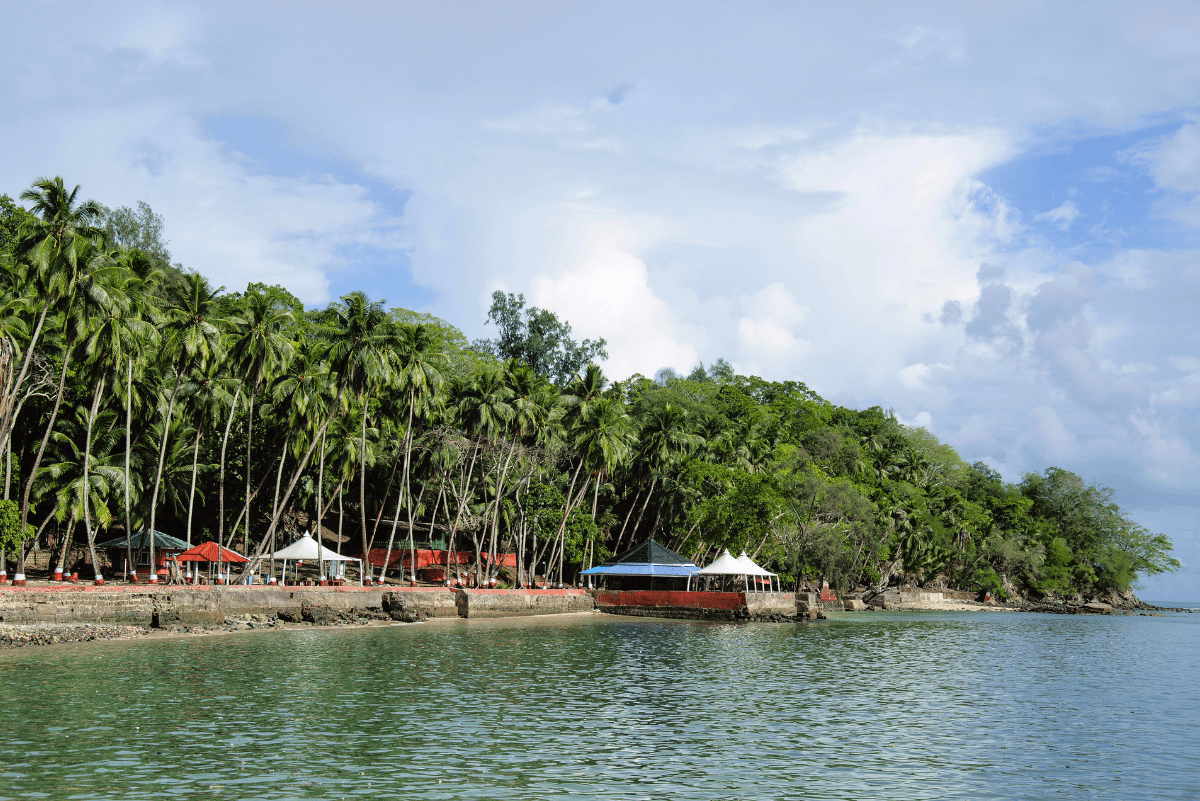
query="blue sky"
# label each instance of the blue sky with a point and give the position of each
(985, 218)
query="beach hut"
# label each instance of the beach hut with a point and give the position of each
(306, 549)
(207, 552)
(649, 566)
(165, 547)
(727, 574)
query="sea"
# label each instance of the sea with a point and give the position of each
(880, 705)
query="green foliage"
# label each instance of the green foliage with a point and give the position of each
(538, 338)
(10, 525)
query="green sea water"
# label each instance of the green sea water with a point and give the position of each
(888, 706)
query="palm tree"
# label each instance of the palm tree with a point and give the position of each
(56, 241)
(193, 340)
(418, 360)
(258, 348)
(665, 440)
(95, 289)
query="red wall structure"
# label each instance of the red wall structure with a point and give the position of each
(666, 598)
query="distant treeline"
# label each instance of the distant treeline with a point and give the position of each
(240, 415)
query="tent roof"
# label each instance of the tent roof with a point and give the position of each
(140, 540)
(725, 565)
(306, 548)
(651, 553)
(207, 552)
(749, 568)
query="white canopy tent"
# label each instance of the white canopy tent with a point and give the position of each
(726, 565)
(306, 549)
(751, 569)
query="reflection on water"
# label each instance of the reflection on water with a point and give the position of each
(888, 706)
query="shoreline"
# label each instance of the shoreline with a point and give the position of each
(17, 636)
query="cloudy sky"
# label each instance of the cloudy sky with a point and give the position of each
(985, 216)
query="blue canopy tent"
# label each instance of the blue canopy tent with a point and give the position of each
(649, 566)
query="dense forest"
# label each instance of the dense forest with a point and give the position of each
(135, 395)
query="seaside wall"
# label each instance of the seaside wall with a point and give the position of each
(207, 605)
(521, 603)
(696, 605)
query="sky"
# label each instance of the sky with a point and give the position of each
(983, 216)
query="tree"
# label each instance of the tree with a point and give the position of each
(538, 338)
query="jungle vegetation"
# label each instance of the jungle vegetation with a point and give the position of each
(134, 394)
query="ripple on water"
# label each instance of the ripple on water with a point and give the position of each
(912, 706)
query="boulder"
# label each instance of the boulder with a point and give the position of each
(854, 605)
(399, 606)
(1097, 608)
(319, 615)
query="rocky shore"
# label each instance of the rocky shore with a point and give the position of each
(21, 635)
(913, 599)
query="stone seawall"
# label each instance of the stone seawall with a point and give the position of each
(143, 605)
(521, 603)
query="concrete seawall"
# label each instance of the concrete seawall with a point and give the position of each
(697, 605)
(522, 603)
(143, 605)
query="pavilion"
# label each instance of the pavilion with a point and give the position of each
(649, 566)
(209, 552)
(727, 574)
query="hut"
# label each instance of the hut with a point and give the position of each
(165, 547)
(208, 553)
(649, 566)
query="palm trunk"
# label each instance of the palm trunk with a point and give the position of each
(162, 457)
(463, 499)
(496, 508)
(192, 491)
(130, 566)
(391, 539)
(249, 439)
(87, 456)
(321, 497)
(221, 477)
(66, 543)
(412, 550)
(562, 526)
(299, 471)
(275, 502)
(362, 475)
(628, 515)
(646, 503)
(341, 517)
(6, 423)
(37, 461)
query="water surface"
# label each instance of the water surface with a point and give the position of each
(912, 706)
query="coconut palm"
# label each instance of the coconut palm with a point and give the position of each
(192, 340)
(55, 240)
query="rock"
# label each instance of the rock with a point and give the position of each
(398, 607)
(1096, 608)
(854, 605)
(318, 615)
(289, 616)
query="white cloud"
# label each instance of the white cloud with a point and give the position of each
(1064, 214)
